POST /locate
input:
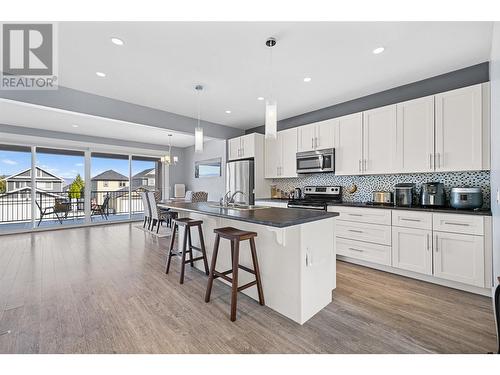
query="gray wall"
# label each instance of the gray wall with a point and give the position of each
(445, 82)
(177, 173)
(83, 102)
(495, 149)
(183, 172)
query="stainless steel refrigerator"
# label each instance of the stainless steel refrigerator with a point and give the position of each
(240, 177)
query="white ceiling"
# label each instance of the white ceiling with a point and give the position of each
(161, 62)
(39, 117)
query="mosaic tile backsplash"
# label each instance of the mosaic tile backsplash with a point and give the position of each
(367, 184)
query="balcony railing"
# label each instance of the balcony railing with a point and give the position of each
(15, 207)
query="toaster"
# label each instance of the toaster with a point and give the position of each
(466, 198)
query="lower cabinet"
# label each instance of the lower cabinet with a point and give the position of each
(370, 252)
(459, 257)
(412, 249)
(451, 248)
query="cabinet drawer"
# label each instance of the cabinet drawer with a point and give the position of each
(376, 233)
(466, 224)
(364, 251)
(412, 219)
(363, 215)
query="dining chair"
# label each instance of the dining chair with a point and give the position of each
(147, 209)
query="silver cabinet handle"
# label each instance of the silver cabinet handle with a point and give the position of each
(354, 249)
(316, 142)
(354, 214)
(359, 165)
(430, 161)
(408, 219)
(312, 142)
(438, 160)
(365, 163)
(460, 224)
(355, 231)
(428, 242)
(437, 243)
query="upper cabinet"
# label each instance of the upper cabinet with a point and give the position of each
(444, 132)
(379, 140)
(459, 130)
(317, 136)
(242, 147)
(349, 144)
(280, 155)
(415, 135)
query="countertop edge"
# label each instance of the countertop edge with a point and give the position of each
(327, 215)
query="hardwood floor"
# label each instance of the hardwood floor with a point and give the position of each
(103, 290)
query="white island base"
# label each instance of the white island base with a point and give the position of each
(297, 263)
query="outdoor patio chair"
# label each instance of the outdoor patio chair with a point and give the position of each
(101, 209)
(60, 209)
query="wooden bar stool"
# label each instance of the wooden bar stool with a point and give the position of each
(235, 236)
(187, 223)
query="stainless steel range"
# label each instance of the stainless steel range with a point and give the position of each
(317, 197)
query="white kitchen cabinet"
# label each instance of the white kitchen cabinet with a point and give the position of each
(272, 156)
(415, 135)
(349, 144)
(305, 137)
(459, 257)
(375, 233)
(234, 146)
(412, 249)
(459, 130)
(366, 251)
(289, 153)
(242, 147)
(280, 155)
(380, 140)
(316, 136)
(325, 134)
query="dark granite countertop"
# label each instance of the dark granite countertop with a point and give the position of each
(272, 216)
(446, 210)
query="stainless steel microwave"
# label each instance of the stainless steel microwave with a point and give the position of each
(318, 161)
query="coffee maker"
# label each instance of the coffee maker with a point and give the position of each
(432, 194)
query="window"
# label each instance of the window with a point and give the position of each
(145, 176)
(105, 184)
(122, 184)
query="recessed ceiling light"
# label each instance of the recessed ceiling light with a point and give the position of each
(260, 98)
(100, 74)
(117, 41)
(74, 125)
(378, 50)
(228, 111)
(307, 79)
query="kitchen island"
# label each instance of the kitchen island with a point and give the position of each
(295, 249)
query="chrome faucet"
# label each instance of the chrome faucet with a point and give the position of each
(225, 201)
(234, 194)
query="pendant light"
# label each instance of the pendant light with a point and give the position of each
(271, 105)
(198, 132)
(167, 159)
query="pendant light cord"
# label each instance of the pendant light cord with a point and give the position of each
(270, 74)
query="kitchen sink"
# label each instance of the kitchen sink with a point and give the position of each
(241, 207)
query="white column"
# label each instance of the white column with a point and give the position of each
(34, 208)
(88, 187)
(130, 186)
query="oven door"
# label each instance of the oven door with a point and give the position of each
(316, 161)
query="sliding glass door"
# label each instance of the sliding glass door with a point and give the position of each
(15, 188)
(71, 187)
(60, 187)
